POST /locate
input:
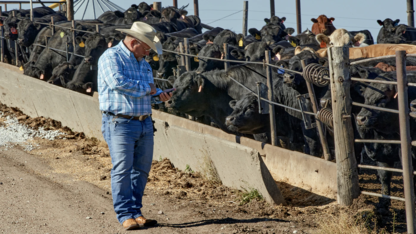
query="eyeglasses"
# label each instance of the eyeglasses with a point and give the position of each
(140, 42)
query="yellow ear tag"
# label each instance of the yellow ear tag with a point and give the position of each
(62, 34)
(21, 68)
(240, 42)
(258, 37)
(293, 44)
(155, 58)
(196, 59)
(82, 45)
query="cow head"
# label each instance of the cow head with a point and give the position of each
(226, 36)
(294, 80)
(212, 51)
(255, 33)
(272, 33)
(245, 117)
(62, 74)
(379, 95)
(132, 14)
(27, 32)
(323, 25)
(388, 24)
(10, 28)
(144, 7)
(305, 38)
(340, 37)
(255, 51)
(170, 14)
(191, 92)
(276, 21)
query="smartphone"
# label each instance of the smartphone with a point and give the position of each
(168, 90)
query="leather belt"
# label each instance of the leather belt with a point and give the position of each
(141, 117)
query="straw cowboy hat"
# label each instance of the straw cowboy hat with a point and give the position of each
(146, 34)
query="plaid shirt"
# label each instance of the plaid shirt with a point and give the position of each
(123, 82)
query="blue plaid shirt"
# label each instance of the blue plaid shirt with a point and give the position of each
(123, 82)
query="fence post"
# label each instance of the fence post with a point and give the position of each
(97, 28)
(319, 126)
(73, 38)
(196, 8)
(5, 6)
(226, 56)
(273, 133)
(52, 26)
(347, 174)
(16, 51)
(157, 6)
(60, 6)
(70, 9)
(410, 14)
(402, 93)
(2, 43)
(272, 8)
(182, 56)
(20, 5)
(187, 59)
(245, 18)
(298, 17)
(175, 3)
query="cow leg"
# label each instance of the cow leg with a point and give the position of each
(385, 179)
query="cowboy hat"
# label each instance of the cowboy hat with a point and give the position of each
(146, 34)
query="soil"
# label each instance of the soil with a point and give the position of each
(63, 186)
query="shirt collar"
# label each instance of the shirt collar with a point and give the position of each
(124, 49)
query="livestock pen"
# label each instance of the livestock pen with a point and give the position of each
(338, 77)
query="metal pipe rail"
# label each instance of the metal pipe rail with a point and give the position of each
(375, 108)
(378, 141)
(382, 168)
(274, 103)
(73, 29)
(165, 80)
(233, 61)
(383, 196)
(63, 51)
(381, 57)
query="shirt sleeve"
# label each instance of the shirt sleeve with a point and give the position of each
(115, 79)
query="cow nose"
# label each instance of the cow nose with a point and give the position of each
(170, 102)
(361, 120)
(230, 119)
(288, 78)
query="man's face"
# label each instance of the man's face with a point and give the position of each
(140, 49)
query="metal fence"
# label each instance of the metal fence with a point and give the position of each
(320, 76)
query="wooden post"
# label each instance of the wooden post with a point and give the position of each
(97, 28)
(272, 8)
(298, 17)
(60, 6)
(5, 5)
(182, 56)
(73, 39)
(157, 6)
(20, 5)
(196, 8)
(70, 9)
(402, 94)
(319, 126)
(187, 59)
(226, 56)
(245, 17)
(2, 39)
(52, 26)
(175, 3)
(347, 175)
(410, 14)
(273, 133)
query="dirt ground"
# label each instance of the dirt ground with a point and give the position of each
(63, 186)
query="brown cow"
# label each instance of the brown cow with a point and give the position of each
(323, 25)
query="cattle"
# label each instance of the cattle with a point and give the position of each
(111, 17)
(273, 33)
(275, 20)
(306, 38)
(213, 51)
(340, 37)
(62, 74)
(290, 128)
(323, 25)
(28, 30)
(368, 37)
(392, 32)
(256, 51)
(375, 124)
(226, 36)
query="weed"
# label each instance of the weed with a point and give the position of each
(346, 223)
(247, 196)
(188, 169)
(160, 158)
(209, 170)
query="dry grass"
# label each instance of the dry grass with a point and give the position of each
(346, 223)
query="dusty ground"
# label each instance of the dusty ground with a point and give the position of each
(63, 186)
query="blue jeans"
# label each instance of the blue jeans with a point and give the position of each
(131, 149)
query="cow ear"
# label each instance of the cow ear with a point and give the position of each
(78, 39)
(380, 22)
(323, 40)
(37, 26)
(283, 19)
(294, 41)
(396, 22)
(267, 20)
(314, 20)
(298, 50)
(171, 79)
(205, 37)
(278, 50)
(359, 38)
(232, 103)
(331, 19)
(200, 82)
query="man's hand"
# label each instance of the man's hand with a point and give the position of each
(153, 88)
(165, 96)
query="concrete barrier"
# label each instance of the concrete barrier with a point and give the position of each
(240, 162)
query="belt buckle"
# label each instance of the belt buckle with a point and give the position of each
(143, 117)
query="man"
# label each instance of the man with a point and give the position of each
(125, 87)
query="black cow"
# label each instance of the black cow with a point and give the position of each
(214, 51)
(275, 20)
(269, 33)
(368, 37)
(256, 50)
(246, 118)
(62, 74)
(374, 124)
(305, 39)
(392, 32)
(112, 17)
